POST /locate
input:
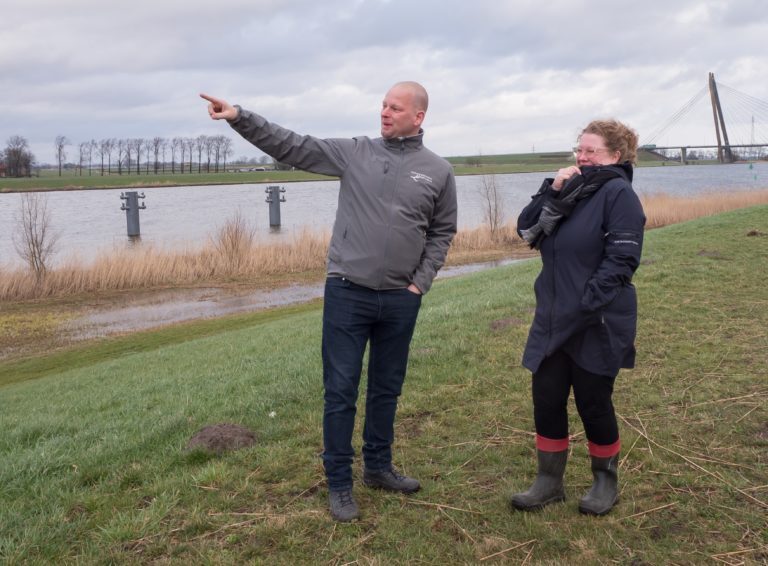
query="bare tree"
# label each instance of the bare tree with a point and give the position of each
(102, 149)
(138, 143)
(201, 142)
(127, 152)
(18, 159)
(226, 151)
(493, 205)
(163, 147)
(92, 146)
(82, 149)
(217, 151)
(209, 144)
(175, 146)
(35, 242)
(105, 147)
(59, 144)
(182, 152)
(157, 143)
(191, 144)
(121, 148)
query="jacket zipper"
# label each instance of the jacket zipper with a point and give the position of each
(391, 212)
(554, 294)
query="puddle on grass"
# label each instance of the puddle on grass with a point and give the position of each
(179, 305)
(168, 307)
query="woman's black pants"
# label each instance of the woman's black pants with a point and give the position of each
(551, 386)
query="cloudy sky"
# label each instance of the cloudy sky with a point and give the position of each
(503, 76)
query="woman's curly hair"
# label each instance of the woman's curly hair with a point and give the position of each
(618, 137)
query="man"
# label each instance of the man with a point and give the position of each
(395, 220)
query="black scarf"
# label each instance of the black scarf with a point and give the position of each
(560, 206)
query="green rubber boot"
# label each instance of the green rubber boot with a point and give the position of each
(548, 486)
(605, 490)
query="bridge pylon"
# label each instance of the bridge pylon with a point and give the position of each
(724, 153)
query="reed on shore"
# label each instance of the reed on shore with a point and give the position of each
(234, 255)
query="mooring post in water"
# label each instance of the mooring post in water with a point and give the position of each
(274, 198)
(131, 207)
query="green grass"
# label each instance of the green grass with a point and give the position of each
(16, 370)
(93, 467)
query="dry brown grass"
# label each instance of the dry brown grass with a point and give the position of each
(481, 243)
(662, 209)
(234, 255)
(146, 267)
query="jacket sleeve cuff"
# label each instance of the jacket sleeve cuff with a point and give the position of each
(236, 119)
(423, 282)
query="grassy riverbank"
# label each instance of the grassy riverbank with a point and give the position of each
(71, 179)
(49, 180)
(93, 470)
(34, 314)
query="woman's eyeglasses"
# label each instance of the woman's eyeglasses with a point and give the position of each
(588, 151)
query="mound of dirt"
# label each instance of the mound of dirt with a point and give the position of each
(222, 437)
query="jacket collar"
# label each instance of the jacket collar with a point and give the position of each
(624, 169)
(411, 143)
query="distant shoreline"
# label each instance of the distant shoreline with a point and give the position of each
(490, 165)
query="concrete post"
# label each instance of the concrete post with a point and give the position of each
(683, 156)
(131, 207)
(274, 198)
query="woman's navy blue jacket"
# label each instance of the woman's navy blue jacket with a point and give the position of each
(586, 304)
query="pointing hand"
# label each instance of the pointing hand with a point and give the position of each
(219, 109)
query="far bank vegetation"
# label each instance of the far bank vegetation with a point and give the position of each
(234, 255)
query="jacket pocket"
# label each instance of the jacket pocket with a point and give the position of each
(338, 243)
(406, 247)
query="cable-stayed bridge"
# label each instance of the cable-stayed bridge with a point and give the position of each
(739, 123)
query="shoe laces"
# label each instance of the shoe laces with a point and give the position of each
(397, 475)
(345, 498)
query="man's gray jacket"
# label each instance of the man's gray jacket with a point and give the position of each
(396, 215)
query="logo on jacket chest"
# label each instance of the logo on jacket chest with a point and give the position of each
(420, 177)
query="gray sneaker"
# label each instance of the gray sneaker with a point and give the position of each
(391, 480)
(343, 506)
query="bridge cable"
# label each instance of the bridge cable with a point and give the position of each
(675, 118)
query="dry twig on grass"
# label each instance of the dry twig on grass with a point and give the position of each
(499, 553)
(440, 506)
(697, 466)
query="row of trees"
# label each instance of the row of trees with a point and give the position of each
(125, 155)
(202, 153)
(740, 154)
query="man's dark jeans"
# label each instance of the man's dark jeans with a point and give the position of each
(352, 317)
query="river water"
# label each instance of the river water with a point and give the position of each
(90, 222)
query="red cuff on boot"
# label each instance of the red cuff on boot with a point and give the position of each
(604, 450)
(551, 445)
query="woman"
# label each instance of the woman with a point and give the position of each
(588, 224)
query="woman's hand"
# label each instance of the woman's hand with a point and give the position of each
(563, 175)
